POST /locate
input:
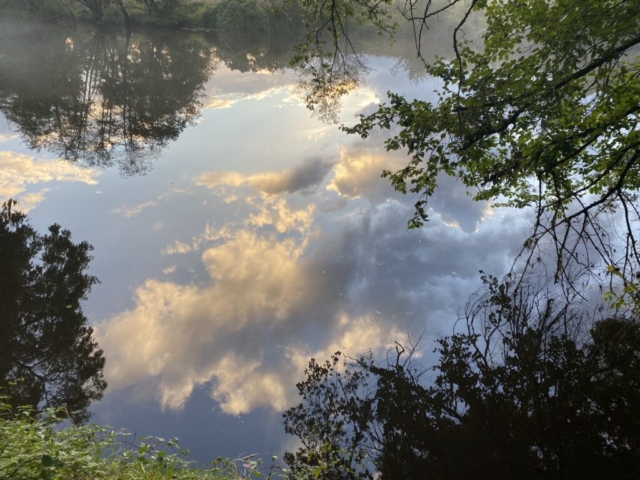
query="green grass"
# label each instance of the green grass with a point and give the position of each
(36, 448)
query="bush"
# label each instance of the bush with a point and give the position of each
(210, 17)
(239, 22)
(112, 15)
(170, 14)
(35, 448)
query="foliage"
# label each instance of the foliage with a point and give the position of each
(156, 13)
(332, 23)
(239, 22)
(37, 9)
(48, 355)
(331, 423)
(541, 110)
(170, 13)
(252, 35)
(35, 448)
(547, 108)
(534, 386)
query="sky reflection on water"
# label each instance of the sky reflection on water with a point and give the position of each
(260, 237)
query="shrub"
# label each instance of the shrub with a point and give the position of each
(210, 17)
(36, 448)
(240, 22)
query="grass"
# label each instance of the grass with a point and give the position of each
(36, 448)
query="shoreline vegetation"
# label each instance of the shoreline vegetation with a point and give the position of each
(252, 20)
(34, 447)
(207, 16)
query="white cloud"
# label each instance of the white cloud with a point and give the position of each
(272, 300)
(289, 280)
(304, 176)
(133, 211)
(19, 171)
(4, 137)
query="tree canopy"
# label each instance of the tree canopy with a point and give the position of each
(539, 107)
(539, 110)
(48, 357)
(533, 386)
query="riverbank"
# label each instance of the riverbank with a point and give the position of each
(35, 448)
(173, 14)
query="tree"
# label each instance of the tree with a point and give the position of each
(48, 357)
(541, 110)
(533, 387)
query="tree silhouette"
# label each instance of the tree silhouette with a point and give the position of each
(48, 357)
(534, 387)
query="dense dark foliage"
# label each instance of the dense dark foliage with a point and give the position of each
(533, 387)
(48, 357)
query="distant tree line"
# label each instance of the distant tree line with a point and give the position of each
(240, 18)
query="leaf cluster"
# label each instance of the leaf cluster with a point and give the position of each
(546, 112)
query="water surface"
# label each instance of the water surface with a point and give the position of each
(237, 234)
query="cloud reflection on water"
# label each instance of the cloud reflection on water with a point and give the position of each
(301, 177)
(18, 172)
(294, 279)
(261, 238)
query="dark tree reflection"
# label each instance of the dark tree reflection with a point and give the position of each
(251, 36)
(535, 383)
(100, 99)
(48, 357)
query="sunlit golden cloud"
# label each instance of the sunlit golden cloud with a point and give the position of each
(308, 174)
(28, 201)
(180, 333)
(279, 213)
(276, 289)
(356, 334)
(134, 210)
(18, 171)
(358, 174)
(274, 297)
(220, 102)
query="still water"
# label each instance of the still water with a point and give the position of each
(237, 234)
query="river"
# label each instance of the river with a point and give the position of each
(236, 233)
